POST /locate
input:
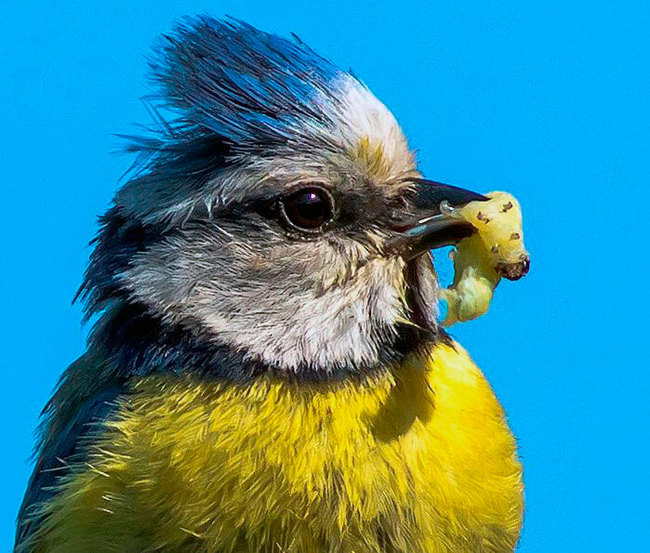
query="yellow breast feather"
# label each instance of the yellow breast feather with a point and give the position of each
(415, 460)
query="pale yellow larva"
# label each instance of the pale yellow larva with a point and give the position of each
(496, 250)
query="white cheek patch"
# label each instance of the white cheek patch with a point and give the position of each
(290, 328)
(288, 323)
(347, 326)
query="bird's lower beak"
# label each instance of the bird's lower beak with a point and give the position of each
(426, 227)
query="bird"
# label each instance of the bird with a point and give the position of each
(266, 370)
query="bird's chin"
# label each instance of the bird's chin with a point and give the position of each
(422, 293)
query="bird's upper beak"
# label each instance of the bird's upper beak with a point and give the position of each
(426, 227)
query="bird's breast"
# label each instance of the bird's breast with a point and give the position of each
(417, 459)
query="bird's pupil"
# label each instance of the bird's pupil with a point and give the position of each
(308, 209)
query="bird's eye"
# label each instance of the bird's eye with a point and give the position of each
(308, 209)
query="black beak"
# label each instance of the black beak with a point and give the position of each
(426, 227)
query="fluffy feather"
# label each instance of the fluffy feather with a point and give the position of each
(369, 465)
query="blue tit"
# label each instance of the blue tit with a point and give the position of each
(267, 372)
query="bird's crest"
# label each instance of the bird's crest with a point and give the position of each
(249, 87)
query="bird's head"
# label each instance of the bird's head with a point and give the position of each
(279, 214)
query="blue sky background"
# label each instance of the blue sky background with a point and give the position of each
(549, 100)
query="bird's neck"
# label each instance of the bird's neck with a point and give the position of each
(138, 343)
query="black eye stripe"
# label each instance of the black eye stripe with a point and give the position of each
(300, 213)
